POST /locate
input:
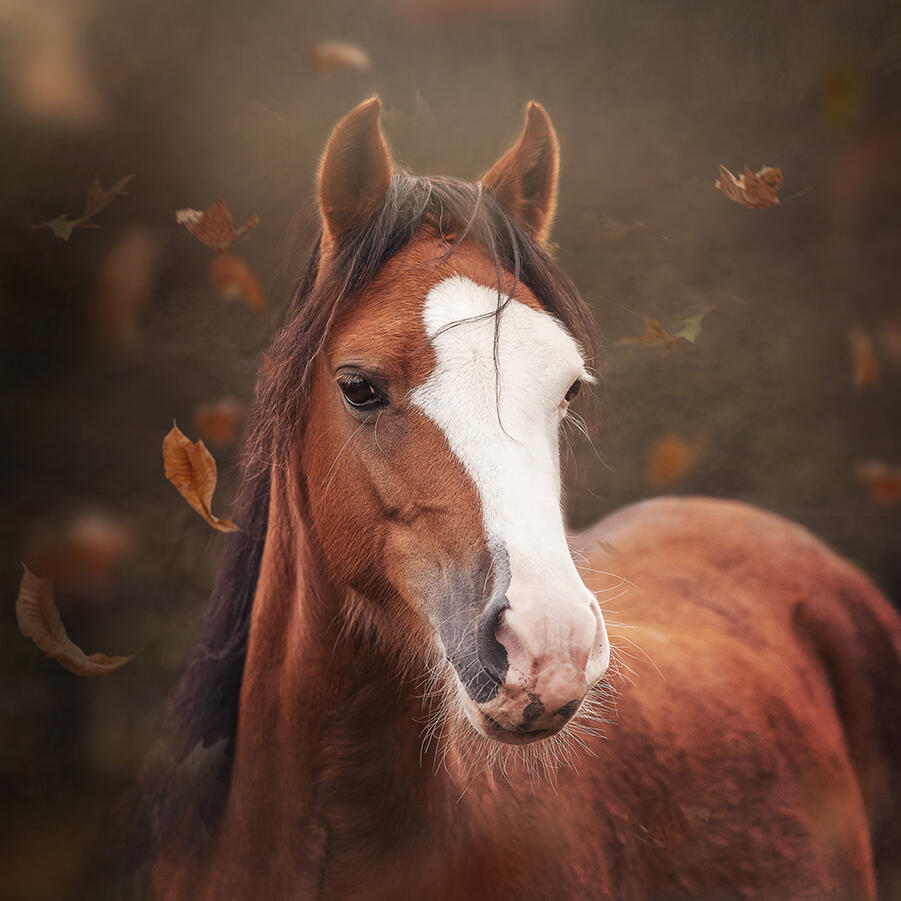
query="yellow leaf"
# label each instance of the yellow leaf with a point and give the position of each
(40, 621)
(190, 467)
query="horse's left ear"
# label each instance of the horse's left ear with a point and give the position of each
(355, 172)
(524, 179)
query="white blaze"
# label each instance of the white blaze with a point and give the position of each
(501, 418)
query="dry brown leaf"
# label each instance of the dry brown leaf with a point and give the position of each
(326, 56)
(755, 190)
(190, 467)
(218, 422)
(865, 367)
(98, 199)
(232, 279)
(671, 458)
(214, 226)
(40, 621)
(123, 287)
(882, 480)
(655, 335)
(81, 553)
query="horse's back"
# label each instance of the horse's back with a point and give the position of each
(760, 678)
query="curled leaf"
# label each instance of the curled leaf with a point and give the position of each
(865, 369)
(655, 335)
(190, 467)
(98, 199)
(233, 279)
(40, 621)
(325, 56)
(755, 190)
(882, 481)
(214, 226)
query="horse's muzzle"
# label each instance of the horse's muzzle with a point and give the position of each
(543, 658)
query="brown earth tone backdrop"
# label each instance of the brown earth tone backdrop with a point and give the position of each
(109, 335)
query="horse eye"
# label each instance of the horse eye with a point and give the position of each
(574, 389)
(360, 392)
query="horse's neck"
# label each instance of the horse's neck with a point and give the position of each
(327, 765)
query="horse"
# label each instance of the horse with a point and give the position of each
(408, 684)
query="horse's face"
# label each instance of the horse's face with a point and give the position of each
(433, 478)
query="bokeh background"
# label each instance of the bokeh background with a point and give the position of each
(109, 335)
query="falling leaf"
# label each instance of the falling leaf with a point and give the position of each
(882, 480)
(864, 362)
(81, 553)
(190, 467)
(232, 279)
(755, 190)
(844, 92)
(612, 230)
(218, 422)
(655, 335)
(214, 226)
(98, 199)
(44, 63)
(890, 339)
(671, 458)
(40, 621)
(122, 288)
(326, 56)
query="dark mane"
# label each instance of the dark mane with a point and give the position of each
(189, 773)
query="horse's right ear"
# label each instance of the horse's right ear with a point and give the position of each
(355, 172)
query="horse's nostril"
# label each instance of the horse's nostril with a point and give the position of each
(492, 654)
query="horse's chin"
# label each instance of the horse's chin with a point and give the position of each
(489, 728)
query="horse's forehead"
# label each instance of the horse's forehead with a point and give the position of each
(388, 326)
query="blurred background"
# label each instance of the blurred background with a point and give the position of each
(113, 323)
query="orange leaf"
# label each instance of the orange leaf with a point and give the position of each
(214, 226)
(671, 458)
(218, 422)
(232, 279)
(326, 56)
(190, 467)
(883, 482)
(755, 190)
(122, 288)
(83, 552)
(864, 362)
(40, 621)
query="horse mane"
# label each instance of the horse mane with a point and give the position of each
(188, 773)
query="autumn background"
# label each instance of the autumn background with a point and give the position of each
(787, 397)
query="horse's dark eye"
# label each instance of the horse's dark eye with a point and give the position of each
(360, 392)
(574, 389)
